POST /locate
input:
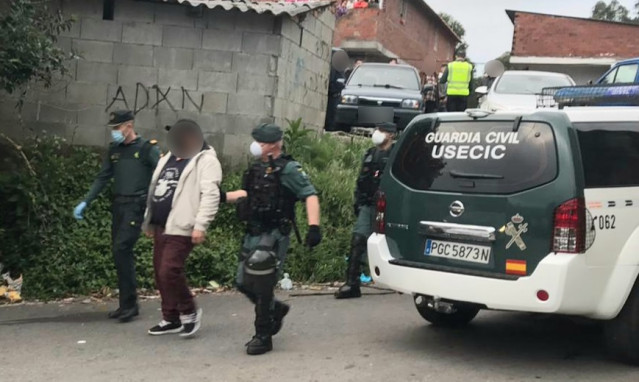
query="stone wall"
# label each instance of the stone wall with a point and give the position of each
(169, 61)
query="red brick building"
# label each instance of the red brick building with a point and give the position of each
(405, 29)
(582, 48)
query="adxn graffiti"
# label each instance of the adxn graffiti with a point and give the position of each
(143, 98)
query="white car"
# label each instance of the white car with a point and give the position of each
(518, 89)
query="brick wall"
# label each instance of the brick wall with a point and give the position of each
(167, 62)
(555, 36)
(418, 38)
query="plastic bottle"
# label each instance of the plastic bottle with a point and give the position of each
(286, 283)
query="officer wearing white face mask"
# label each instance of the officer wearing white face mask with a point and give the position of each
(130, 161)
(373, 166)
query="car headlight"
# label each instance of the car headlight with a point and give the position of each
(350, 99)
(411, 104)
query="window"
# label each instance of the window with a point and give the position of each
(528, 83)
(402, 10)
(626, 74)
(610, 153)
(476, 157)
(384, 76)
(610, 77)
(108, 9)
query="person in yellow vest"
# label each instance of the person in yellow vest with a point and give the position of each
(458, 76)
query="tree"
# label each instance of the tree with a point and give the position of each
(614, 11)
(459, 30)
(28, 34)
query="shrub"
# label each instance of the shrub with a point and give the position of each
(43, 180)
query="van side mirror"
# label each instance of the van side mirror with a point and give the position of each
(483, 90)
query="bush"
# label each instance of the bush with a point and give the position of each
(43, 180)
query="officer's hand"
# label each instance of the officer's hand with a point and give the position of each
(149, 233)
(314, 236)
(79, 210)
(198, 237)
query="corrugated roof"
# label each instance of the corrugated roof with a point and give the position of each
(276, 8)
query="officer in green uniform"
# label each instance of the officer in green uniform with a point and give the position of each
(130, 161)
(367, 185)
(266, 202)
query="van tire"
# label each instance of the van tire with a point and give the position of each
(461, 317)
(622, 332)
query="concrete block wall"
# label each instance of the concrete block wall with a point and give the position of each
(303, 69)
(168, 61)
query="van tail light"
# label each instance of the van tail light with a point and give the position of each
(569, 230)
(380, 213)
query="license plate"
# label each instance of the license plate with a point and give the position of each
(375, 114)
(458, 251)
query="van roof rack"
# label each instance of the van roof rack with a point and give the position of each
(589, 95)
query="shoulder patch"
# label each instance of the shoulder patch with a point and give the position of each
(153, 141)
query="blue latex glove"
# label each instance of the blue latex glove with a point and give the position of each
(79, 210)
(365, 279)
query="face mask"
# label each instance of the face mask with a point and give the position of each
(256, 149)
(378, 137)
(117, 136)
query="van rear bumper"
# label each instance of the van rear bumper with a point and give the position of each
(573, 287)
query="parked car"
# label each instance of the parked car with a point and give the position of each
(623, 72)
(518, 89)
(380, 93)
(504, 211)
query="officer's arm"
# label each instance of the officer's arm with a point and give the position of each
(154, 156)
(234, 196)
(101, 180)
(444, 78)
(313, 210)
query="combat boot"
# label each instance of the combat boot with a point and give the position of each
(259, 344)
(351, 288)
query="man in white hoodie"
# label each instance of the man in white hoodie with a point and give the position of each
(183, 200)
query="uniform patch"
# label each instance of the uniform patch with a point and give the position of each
(515, 228)
(115, 157)
(136, 155)
(153, 141)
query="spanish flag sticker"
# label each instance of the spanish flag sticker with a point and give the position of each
(516, 267)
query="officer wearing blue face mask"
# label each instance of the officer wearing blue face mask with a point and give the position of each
(130, 161)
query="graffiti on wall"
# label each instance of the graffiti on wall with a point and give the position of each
(144, 96)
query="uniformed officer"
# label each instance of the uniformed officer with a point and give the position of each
(370, 174)
(130, 161)
(266, 202)
(458, 76)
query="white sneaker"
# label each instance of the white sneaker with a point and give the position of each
(166, 327)
(191, 323)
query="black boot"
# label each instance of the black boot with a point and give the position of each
(351, 288)
(259, 345)
(279, 312)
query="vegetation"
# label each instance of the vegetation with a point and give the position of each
(459, 30)
(42, 180)
(615, 11)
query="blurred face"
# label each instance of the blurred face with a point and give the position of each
(185, 141)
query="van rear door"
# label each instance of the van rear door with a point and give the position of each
(477, 197)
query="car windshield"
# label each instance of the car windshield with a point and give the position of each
(385, 76)
(529, 83)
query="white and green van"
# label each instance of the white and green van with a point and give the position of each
(536, 213)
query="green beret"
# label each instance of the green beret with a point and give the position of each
(387, 127)
(267, 133)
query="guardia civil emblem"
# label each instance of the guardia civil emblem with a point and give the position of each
(515, 228)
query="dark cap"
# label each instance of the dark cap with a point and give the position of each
(388, 127)
(118, 117)
(267, 133)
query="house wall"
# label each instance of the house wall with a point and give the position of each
(405, 28)
(169, 61)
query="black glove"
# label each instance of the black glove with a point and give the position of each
(314, 236)
(222, 196)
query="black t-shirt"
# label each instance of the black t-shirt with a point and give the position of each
(165, 190)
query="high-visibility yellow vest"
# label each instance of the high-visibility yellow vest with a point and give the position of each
(460, 73)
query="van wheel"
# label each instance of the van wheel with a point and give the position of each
(462, 314)
(622, 332)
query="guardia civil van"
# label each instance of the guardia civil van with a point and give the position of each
(532, 212)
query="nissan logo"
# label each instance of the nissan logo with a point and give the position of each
(456, 209)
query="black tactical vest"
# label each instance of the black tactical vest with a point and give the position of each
(370, 175)
(269, 204)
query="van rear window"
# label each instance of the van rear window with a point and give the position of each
(476, 157)
(609, 153)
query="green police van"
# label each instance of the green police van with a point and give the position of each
(533, 212)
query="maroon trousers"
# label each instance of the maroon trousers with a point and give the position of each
(169, 255)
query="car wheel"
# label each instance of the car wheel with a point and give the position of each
(622, 332)
(460, 315)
